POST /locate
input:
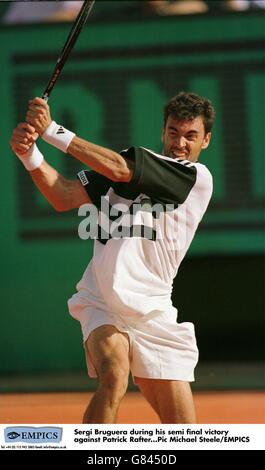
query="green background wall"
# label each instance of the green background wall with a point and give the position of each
(112, 92)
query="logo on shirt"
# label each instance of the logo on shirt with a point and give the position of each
(83, 178)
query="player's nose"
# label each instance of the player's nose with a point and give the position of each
(180, 142)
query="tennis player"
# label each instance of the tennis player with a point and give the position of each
(123, 301)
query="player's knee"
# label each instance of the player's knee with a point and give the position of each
(113, 376)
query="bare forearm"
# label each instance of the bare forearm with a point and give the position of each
(104, 161)
(54, 187)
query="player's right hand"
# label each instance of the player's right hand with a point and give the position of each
(38, 114)
(23, 137)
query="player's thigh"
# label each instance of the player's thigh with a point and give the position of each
(167, 396)
(108, 348)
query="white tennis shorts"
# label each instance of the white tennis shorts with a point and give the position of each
(160, 348)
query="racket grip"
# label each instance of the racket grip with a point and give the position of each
(45, 97)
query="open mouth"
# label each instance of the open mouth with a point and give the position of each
(179, 155)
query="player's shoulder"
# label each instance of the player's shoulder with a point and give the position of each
(172, 161)
(203, 171)
(204, 180)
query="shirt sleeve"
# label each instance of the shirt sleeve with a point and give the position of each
(95, 184)
(165, 181)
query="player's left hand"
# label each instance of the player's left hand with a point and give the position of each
(23, 137)
(38, 115)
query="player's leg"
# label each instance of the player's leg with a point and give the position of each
(108, 349)
(171, 399)
(148, 393)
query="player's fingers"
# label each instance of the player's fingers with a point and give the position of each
(20, 139)
(31, 113)
(30, 129)
(39, 101)
(32, 120)
(21, 135)
(25, 126)
(20, 148)
(34, 112)
(33, 137)
(37, 109)
(18, 133)
(21, 125)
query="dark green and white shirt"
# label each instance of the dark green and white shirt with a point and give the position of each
(145, 227)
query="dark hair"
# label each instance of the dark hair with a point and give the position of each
(187, 106)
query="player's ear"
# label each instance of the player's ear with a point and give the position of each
(206, 140)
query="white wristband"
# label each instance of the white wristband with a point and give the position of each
(58, 136)
(32, 159)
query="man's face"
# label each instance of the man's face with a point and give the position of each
(185, 139)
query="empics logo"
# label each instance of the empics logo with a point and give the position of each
(33, 435)
(13, 435)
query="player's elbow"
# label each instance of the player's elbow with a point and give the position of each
(60, 206)
(117, 168)
(121, 175)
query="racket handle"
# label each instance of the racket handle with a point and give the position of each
(45, 97)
